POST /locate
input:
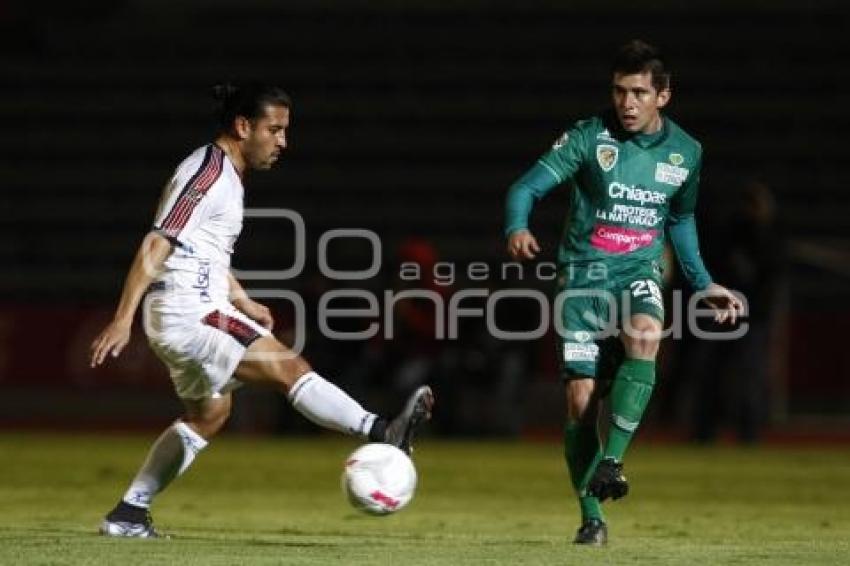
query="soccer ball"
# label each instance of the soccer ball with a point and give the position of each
(379, 479)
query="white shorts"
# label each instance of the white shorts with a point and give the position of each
(202, 350)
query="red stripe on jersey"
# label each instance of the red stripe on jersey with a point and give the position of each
(176, 207)
(194, 191)
(240, 331)
(193, 196)
(188, 201)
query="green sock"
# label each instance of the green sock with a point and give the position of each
(630, 395)
(581, 451)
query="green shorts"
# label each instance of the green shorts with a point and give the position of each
(593, 300)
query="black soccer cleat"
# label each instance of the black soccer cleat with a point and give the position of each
(608, 480)
(592, 532)
(401, 430)
(127, 520)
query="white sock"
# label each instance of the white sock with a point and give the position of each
(328, 406)
(170, 456)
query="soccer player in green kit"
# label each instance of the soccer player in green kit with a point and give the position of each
(633, 174)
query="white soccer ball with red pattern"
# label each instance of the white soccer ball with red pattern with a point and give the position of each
(379, 479)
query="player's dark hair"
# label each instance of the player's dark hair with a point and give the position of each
(638, 56)
(249, 100)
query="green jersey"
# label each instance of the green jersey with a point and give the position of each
(626, 189)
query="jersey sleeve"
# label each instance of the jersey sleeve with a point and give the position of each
(187, 200)
(567, 154)
(684, 202)
(682, 229)
(556, 166)
(683, 238)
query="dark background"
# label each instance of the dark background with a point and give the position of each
(410, 119)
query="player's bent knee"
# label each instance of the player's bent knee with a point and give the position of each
(579, 395)
(207, 427)
(207, 417)
(641, 348)
(641, 338)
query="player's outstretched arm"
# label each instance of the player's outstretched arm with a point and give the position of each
(250, 308)
(683, 236)
(145, 267)
(523, 245)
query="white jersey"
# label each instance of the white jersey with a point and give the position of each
(189, 321)
(201, 214)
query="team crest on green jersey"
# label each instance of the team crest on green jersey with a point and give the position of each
(606, 155)
(677, 159)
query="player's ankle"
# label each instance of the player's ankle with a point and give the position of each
(378, 431)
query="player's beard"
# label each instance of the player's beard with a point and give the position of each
(259, 158)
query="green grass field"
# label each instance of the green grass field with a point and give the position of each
(266, 501)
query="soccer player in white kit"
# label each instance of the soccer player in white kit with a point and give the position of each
(201, 323)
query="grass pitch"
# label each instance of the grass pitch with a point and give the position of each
(267, 501)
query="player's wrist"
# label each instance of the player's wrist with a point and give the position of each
(517, 232)
(122, 321)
